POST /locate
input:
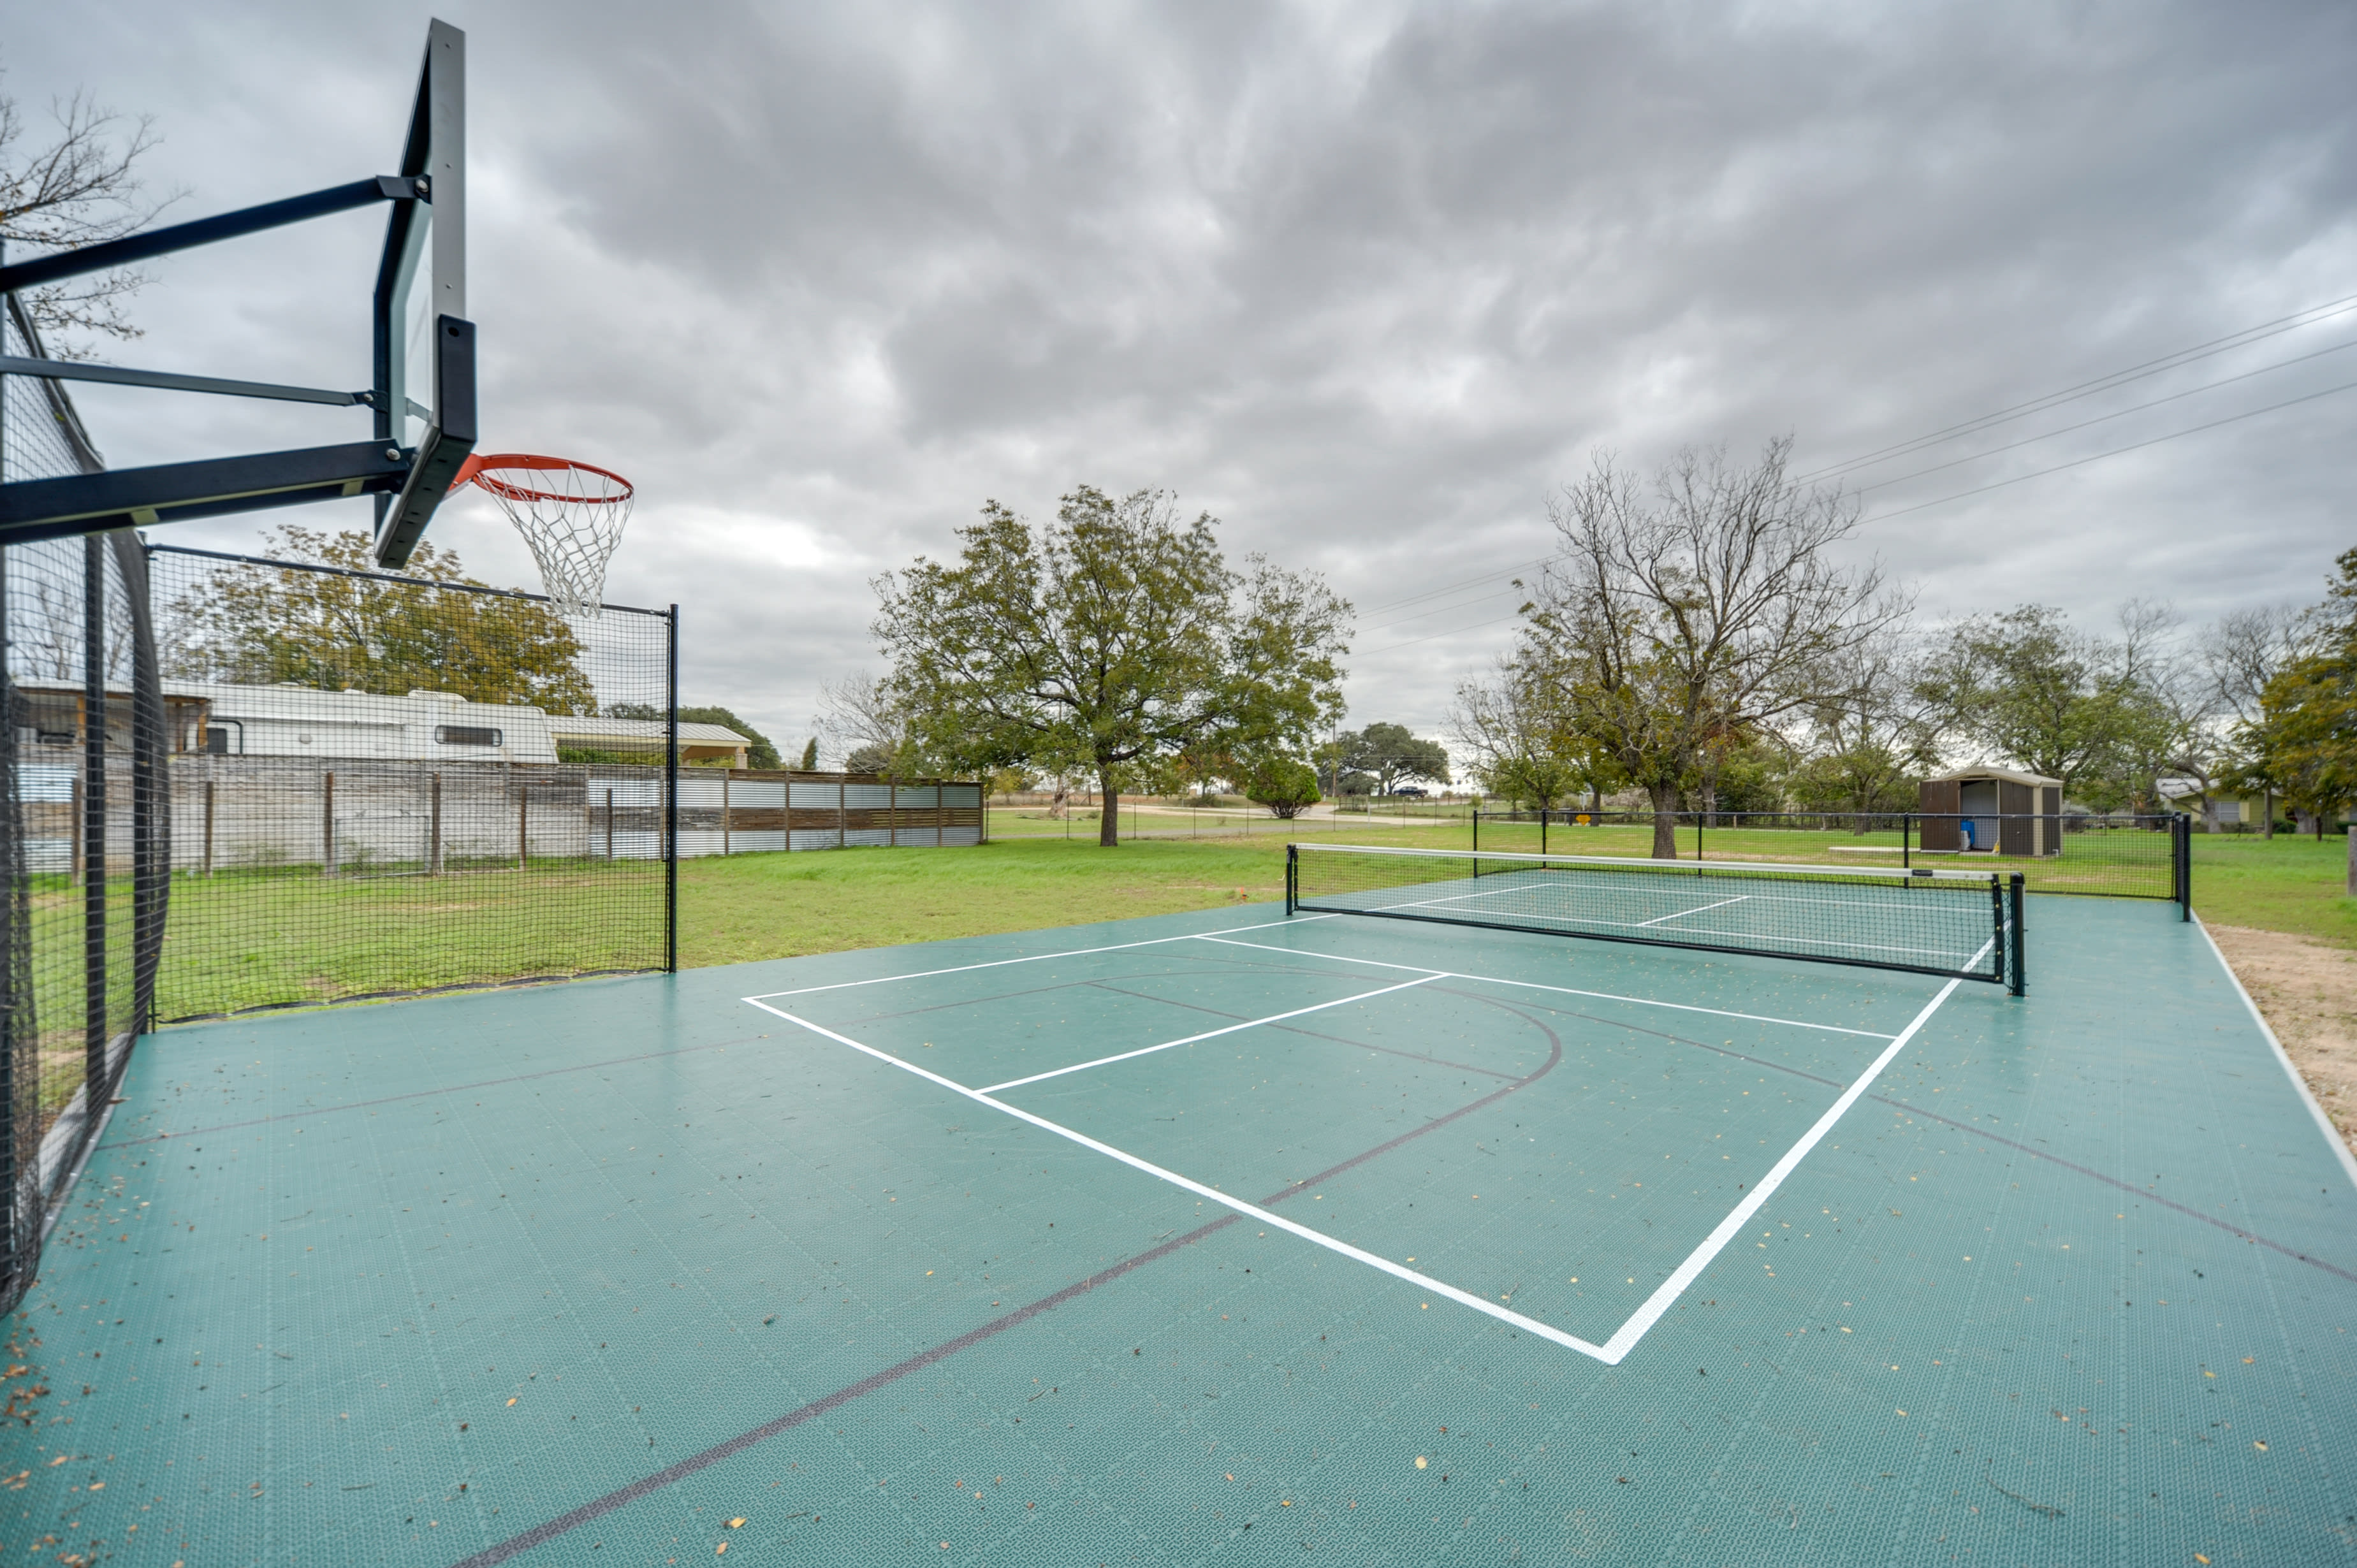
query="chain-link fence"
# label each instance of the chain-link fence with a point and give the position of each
(84, 820)
(385, 785)
(340, 783)
(2117, 856)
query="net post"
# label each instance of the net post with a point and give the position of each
(670, 793)
(1292, 879)
(2013, 901)
(1477, 824)
(1543, 827)
(1906, 832)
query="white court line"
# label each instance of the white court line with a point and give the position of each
(1625, 1338)
(1207, 1035)
(1682, 913)
(1611, 1352)
(1214, 1195)
(1564, 989)
(1042, 957)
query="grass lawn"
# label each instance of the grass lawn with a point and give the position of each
(2288, 884)
(779, 906)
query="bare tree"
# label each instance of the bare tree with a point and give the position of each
(863, 725)
(2243, 652)
(79, 186)
(1675, 627)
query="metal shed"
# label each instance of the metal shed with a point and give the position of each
(2008, 813)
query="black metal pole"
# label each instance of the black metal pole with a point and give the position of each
(1477, 826)
(1906, 832)
(671, 795)
(2018, 945)
(1542, 826)
(1292, 878)
(2184, 867)
(93, 831)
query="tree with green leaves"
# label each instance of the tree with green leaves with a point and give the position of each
(1385, 755)
(1114, 637)
(1680, 619)
(1284, 785)
(2038, 692)
(2303, 742)
(263, 626)
(810, 756)
(1517, 745)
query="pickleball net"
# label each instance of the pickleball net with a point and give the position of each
(1964, 924)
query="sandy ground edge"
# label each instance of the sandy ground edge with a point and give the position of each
(2309, 994)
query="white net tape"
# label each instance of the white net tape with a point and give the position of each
(571, 514)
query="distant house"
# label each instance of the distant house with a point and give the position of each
(304, 720)
(224, 719)
(2218, 810)
(705, 744)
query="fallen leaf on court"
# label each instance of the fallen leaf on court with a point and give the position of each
(719, 1548)
(2199, 1558)
(1284, 1502)
(2248, 1359)
(2260, 1446)
(511, 1402)
(1419, 1462)
(735, 1524)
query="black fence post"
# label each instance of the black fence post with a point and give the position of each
(2018, 945)
(94, 834)
(2184, 830)
(1477, 824)
(671, 795)
(1543, 827)
(1906, 832)
(1292, 879)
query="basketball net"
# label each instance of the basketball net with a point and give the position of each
(571, 514)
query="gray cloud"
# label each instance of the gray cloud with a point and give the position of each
(1363, 281)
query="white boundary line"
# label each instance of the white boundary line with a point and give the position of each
(1682, 913)
(1043, 957)
(1214, 1195)
(1611, 1352)
(2283, 1058)
(1625, 1340)
(1207, 1035)
(1564, 989)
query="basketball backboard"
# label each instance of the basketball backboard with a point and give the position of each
(422, 278)
(421, 396)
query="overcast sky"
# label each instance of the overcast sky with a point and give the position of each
(1366, 281)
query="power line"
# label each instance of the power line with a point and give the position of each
(2115, 413)
(2215, 346)
(2135, 446)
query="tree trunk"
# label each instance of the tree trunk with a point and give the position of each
(1109, 811)
(1665, 821)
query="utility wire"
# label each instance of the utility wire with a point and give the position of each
(1980, 490)
(2215, 346)
(2115, 413)
(2135, 446)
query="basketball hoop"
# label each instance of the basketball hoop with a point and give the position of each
(572, 514)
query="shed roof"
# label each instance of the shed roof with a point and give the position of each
(2006, 775)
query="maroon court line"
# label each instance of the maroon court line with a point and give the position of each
(622, 1496)
(2140, 1194)
(418, 1094)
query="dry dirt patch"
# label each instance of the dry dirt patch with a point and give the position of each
(2308, 993)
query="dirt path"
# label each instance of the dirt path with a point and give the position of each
(2308, 993)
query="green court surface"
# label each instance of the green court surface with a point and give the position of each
(1412, 1244)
